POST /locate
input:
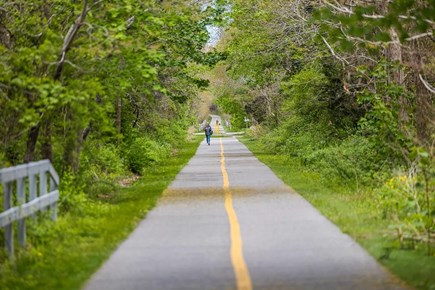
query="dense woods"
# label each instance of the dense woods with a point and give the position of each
(347, 89)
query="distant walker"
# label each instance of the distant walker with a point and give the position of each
(208, 132)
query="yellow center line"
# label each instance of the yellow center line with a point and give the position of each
(243, 279)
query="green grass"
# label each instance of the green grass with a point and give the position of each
(63, 255)
(356, 214)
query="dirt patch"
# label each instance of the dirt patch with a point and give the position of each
(126, 182)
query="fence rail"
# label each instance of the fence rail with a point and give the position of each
(23, 182)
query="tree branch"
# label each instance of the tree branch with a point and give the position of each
(93, 5)
(426, 84)
(338, 8)
(346, 10)
(419, 36)
(130, 21)
(72, 32)
(333, 52)
(383, 43)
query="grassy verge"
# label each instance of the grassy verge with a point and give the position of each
(356, 214)
(63, 255)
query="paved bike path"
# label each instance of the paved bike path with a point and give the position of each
(189, 241)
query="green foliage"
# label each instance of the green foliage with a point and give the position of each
(2, 160)
(102, 160)
(353, 161)
(64, 254)
(407, 202)
(140, 52)
(142, 152)
(231, 106)
(256, 132)
(101, 167)
(305, 93)
(171, 131)
(395, 15)
(338, 110)
(72, 197)
(344, 97)
(113, 101)
(296, 137)
(358, 213)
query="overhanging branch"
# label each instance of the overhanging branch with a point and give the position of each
(426, 84)
(349, 11)
(333, 52)
(72, 32)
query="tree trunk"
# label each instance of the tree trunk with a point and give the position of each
(83, 134)
(31, 143)
(5, 36)
(118, 119)
(46, 147)
(424, 111)
(69, 38)
(394, 53)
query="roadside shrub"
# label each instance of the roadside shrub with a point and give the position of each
(171, 132)
(144, 151)
(256, 132)
(296, 137)
(101, 161)
(352, 161)
(72, 196)
(101, 166)
(408, 202)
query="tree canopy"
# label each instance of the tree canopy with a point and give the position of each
(101, 70)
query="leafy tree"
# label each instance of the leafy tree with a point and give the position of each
(104, 70)
(344, 86)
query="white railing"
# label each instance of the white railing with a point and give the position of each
(20, 184)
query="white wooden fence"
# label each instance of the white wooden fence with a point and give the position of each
(20, 184)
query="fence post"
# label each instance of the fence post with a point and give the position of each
(32, 189)
(42, 184)
(21, 198)
(9, 234)
(53, 207)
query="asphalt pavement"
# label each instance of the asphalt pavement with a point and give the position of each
(227, 222)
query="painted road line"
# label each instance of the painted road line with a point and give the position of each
(243, 279)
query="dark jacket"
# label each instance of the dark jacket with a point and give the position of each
(208, 130)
